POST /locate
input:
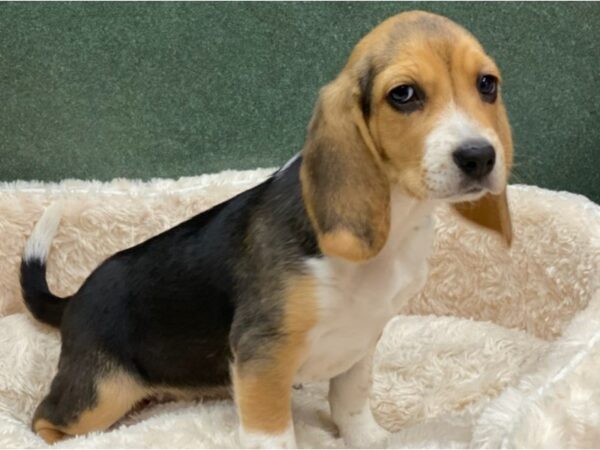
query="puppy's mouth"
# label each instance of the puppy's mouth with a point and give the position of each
(467, 196)
(473, 190)
(465, 189)
(469, 192)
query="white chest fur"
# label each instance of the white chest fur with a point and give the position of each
(357, 300)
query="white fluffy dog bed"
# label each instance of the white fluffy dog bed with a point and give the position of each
(502, 349)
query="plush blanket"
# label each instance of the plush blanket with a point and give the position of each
(501, 349)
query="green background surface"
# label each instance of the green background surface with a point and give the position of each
(143, 90)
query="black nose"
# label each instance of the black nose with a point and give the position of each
(475, 159)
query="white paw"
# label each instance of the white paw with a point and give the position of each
(255, 439)
(361, 431)
(372, 436)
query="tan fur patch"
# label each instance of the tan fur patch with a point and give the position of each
(48, 432)
(116, 395)
(263, 389)
(189, 394)
(344, 244)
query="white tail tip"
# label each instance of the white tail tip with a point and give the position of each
(39, 242)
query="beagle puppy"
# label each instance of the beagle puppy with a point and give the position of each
(294, 279)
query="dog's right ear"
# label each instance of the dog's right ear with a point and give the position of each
(346, 192)
(491, 212)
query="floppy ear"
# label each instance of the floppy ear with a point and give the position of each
(491, 212)
(346, 193)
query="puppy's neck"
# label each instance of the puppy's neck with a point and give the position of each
(407, 213)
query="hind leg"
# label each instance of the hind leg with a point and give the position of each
(86, 398)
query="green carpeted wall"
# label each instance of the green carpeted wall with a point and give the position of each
(143, 90)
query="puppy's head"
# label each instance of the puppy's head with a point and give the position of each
(417, 106)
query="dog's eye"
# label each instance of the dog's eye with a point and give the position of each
(487, 85)
(405, 98)
(403, 94)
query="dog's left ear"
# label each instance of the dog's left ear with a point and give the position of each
(491, 212)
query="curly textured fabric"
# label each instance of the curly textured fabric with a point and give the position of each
(501, 348)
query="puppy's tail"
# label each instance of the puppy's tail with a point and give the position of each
(43, 305)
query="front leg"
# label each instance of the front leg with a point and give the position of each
(263, 399)
(351, 409)
(265, 366)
